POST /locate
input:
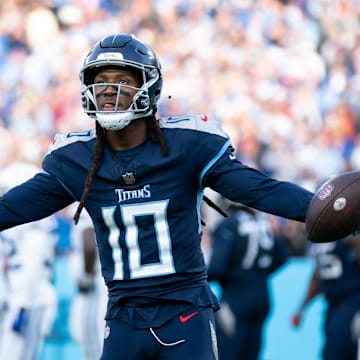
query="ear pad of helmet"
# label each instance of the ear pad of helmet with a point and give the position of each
(141, 100)
(86, 103)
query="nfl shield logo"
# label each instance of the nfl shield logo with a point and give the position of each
(325, 191)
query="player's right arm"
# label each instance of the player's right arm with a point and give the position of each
(35, 199)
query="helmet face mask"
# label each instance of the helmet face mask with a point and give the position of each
(126, 52)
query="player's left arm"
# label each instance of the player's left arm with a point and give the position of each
(253, 188)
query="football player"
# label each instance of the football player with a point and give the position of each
(86, 321)
(244, 254)
(31, 295)
(141, 179)
(5, 246)
(337, 278)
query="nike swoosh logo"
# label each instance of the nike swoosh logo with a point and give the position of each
(232, 157)
(184, 319)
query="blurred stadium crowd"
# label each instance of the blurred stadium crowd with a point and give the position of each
(283, 77)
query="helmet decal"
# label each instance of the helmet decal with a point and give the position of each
(110, 56)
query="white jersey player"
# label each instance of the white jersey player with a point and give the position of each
(87, 322)
(31, 300)
(5, 248)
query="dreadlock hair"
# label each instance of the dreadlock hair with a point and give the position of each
(155, 134)
(96, 161)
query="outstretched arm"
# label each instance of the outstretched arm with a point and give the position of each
(253, 188)
(33, 200)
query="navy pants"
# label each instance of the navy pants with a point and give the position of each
(189, 336)
(246, 340)
(340, 343)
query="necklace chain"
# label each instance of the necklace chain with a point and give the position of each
(128, 176)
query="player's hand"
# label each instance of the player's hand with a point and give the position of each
(20, 321)
(86, 284)
(296, 320)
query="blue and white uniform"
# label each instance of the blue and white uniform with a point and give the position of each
(31, 296)
(5, 246)
(86, 321)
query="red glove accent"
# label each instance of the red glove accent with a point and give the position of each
(295, 320)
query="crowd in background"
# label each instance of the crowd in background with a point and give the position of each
(283, 77)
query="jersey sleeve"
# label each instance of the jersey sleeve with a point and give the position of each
(200, 123)
(35, 199)
(69, 158)
(240, 183)
(27, 276)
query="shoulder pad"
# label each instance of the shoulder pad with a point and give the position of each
(200, 122)
(61, 140)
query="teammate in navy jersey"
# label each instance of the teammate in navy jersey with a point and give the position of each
(337, 277)
(244, 254)
(141, 179)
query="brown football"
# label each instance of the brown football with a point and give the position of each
(334, 211)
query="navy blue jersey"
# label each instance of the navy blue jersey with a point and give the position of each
(149, 233)
(244, 254)
(337, 270)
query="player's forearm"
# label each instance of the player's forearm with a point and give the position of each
(251, 187)
(312, 291)
(31, 201)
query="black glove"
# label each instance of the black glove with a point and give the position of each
(86, 284)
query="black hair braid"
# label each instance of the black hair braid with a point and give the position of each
(156, 134)
(98, 155)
